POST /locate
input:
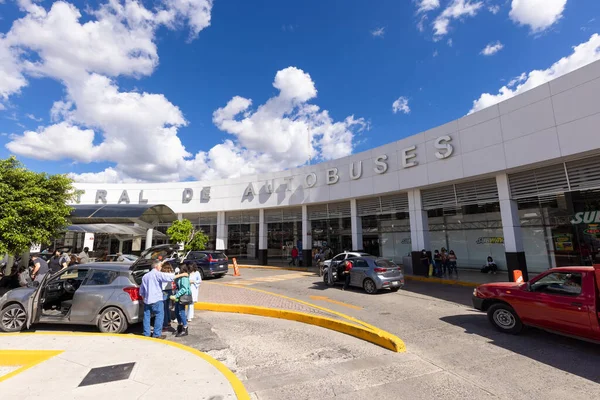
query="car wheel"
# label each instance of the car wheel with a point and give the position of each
(13, 318)
(369, 286)
(112, 320)
(395, 289)
(202, 276)
(504, 318)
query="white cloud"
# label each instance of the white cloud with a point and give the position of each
(138, 132)
(457, 9)
(537, 14)
(427, 5)
(421, 23)
(284, 132)
(11, 77)
(401, 105)
(33, 117)
(582, 54)
(435, 53)
(450, 42)
(379, 32)
(492, 48)
(495, 9)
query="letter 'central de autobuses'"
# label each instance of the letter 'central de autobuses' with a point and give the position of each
(407, 158)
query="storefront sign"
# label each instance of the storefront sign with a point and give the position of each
(592, 230)
(443, 146)
(587, 217)
(563, 242)
(490, 240)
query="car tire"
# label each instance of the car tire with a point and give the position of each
(369, 286)
(112, 320)
(202, 276)
(395, 289)
(504, 318)
(13, 318)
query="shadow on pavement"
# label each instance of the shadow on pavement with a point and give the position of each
(570, 355)
(456, 294)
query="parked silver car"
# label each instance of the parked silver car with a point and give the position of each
(370, 273)
(103, 294)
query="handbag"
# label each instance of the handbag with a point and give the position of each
(186, 299)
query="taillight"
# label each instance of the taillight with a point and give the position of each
(133, 292)
(379, 270)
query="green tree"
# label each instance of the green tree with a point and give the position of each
(183, 232)
(33, 206)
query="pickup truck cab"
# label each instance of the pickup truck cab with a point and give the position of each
(563, 300)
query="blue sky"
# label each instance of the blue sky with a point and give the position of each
(199, 67)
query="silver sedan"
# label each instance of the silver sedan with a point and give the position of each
(101, 294)
(370, 273)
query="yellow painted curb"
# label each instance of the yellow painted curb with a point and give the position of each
(440, 280)
(237, 385)
(24, 359)
(375, 336)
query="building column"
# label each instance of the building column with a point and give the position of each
(511, 227)
(356, 227)
(121, 246)
(149, 234)
(262, 238)
(419, 231)
(221, 242)
(306, 238)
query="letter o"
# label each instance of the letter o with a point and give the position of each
(312, 176)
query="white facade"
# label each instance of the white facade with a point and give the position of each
(555, 122)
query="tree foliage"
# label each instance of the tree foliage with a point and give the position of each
(184, 232)
(33, 206)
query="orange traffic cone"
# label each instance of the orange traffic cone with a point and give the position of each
(518, 276)
(236, 270)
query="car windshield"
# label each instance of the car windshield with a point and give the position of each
(385, 264)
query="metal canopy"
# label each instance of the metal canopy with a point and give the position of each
(121, 213)
(117, 229)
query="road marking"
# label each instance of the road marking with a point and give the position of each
(341, 303)
(268, 279)
(24, 359)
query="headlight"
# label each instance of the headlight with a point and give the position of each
(475, 293)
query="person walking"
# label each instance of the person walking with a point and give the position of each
(84, 256)
(40, 268)
(294, 256)
(195, 280)
(183, 289)
(152, 294)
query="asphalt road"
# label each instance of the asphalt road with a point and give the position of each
(453, 351)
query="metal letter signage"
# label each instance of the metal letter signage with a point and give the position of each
(124, 198)
(357, 175)
(187, 195)
(406, 157)
(141, 199)
(249, 190)
(310, 180)
(381, 166)
(270, 186)
(332, 176)
(205, 193)
(101, 196)
(288, 183)
(443, 143)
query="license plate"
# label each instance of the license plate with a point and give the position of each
(395, 283)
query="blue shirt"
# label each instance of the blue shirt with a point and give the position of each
(151, 288)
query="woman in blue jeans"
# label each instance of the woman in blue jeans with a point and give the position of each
(183, 288)
(167, 292)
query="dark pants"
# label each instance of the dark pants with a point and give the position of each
(346, 281)
(167, 303)
(293, 261)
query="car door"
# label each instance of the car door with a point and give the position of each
(358, 271)
(335, 261)
(559, 303)
(94, 292)
(34, 307)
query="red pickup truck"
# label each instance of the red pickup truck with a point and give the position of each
(563, 300)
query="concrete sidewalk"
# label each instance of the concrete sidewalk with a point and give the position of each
(56, 365)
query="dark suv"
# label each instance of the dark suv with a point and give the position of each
(209, 263)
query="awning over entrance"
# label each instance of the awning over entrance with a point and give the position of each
(121, 213)
(116, 229)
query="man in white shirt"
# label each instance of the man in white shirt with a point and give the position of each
(84, 257)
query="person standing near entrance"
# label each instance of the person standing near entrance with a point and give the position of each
(294, 256)
(40, 268)
(152, 293)
(84, 256)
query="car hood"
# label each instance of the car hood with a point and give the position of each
(501, 285)
(21, 294)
